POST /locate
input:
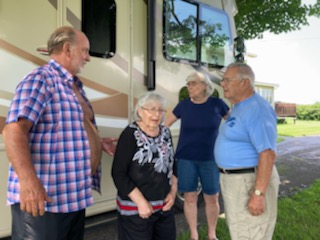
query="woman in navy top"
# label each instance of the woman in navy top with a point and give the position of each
(200, 115)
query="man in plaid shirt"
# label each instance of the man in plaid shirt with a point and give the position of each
(53, 145)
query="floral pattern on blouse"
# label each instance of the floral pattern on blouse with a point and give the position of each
(156, 150)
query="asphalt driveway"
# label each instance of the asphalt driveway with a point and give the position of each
(298, 163)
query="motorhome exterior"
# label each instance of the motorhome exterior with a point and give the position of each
(136, 46)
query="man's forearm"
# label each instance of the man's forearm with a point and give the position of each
(16, 138)
(265, 166)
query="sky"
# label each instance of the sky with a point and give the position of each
(292, 61)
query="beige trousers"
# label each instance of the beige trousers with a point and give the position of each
(236, 190)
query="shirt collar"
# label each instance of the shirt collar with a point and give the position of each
(64, 74)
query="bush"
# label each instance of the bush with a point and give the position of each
(309, 112)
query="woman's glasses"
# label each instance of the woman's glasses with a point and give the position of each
(154, 110)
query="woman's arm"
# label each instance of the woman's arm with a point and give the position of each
(121, 163)
(170, 119)
(170, 199)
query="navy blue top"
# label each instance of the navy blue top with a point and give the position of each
(199, 128)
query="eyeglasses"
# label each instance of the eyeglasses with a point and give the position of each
(193, 83)
(154, 110)
(227, 80)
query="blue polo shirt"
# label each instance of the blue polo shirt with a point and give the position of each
(250, 129)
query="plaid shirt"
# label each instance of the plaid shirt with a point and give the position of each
(59, 144)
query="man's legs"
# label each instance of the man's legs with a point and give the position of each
(236, 191)
(50, 226)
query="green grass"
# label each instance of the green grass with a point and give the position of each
(298, 216)
(300, 128)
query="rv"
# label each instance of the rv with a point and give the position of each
(136, 46)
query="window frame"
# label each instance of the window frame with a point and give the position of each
(198, 38)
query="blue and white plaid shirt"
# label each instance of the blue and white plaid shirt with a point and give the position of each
(59, 143)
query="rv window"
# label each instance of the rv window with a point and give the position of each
(180, 30)
(196, 33)
(99, 24)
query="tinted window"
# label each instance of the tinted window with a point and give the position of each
(99, 24)
(180, 30)
(196, 33)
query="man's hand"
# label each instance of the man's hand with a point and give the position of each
(108, 145)
(33, 196)
(256, 205)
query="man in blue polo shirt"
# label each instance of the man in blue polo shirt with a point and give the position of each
(245, 152)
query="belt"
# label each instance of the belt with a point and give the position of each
(237, 171)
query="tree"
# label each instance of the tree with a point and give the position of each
(276, 16)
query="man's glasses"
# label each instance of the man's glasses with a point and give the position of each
(227, 80)
(154, 110)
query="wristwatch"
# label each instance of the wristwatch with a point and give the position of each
(258, 192)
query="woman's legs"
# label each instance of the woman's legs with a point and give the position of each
(212, 208)
(191, 212)
(188, 183)
(209, 175)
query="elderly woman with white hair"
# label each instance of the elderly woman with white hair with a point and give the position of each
(143, 171)
(200, 115)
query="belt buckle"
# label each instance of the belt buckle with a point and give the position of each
(224, 171)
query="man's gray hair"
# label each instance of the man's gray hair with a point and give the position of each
(244, 71)
(59, 37)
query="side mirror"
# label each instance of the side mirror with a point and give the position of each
(239, 49)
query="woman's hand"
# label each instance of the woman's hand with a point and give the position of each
(170, 198)
(169, 201)
(145, 210)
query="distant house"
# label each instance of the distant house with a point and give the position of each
(266, 90)
(283, 110)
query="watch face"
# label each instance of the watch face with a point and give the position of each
(257, 192)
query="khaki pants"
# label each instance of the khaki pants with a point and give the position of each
(236, 190)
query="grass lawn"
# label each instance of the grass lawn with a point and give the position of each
(300, 128)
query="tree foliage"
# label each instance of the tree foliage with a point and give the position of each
(276, 16)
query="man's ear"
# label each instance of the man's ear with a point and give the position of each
(66, 48)
(246, 81)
